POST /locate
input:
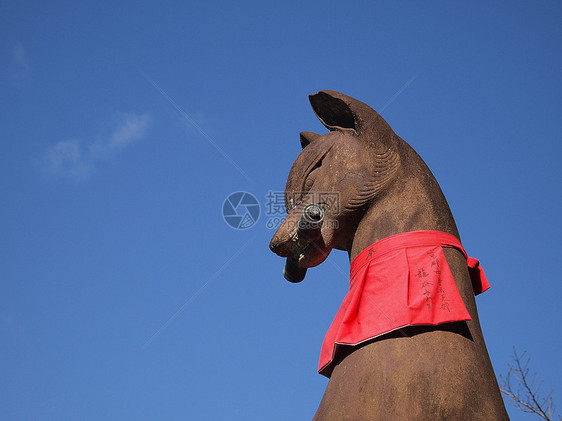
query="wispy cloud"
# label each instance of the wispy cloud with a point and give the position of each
(77, 158)
(131, 128)
(66, 158)
(20, 56)
(20, 62)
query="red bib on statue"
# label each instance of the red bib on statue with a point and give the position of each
(402, 280)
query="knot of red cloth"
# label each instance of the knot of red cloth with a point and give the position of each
(399, 281)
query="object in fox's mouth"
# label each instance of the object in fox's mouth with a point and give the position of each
(292, 272)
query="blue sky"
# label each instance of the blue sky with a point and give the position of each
(125, 126)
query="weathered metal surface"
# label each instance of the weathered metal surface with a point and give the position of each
(384, 188)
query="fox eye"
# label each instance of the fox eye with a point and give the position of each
(309, 182)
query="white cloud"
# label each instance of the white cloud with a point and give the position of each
(66, 157)
(21, 59)
(131, 129)
(77, 158)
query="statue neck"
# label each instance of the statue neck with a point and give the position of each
(409, 204)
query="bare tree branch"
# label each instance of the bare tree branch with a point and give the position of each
(525, 396)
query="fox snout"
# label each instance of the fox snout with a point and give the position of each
(280, 246)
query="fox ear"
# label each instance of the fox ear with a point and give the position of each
(333, 110)
(340, 112)
(308, 137)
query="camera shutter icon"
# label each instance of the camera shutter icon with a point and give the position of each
(241, 210)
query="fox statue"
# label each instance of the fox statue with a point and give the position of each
(406, 343)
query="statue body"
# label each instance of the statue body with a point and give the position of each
(440, 372)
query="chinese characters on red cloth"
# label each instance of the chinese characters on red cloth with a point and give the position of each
(400, 281)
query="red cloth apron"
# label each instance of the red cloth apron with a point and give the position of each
(399, 281)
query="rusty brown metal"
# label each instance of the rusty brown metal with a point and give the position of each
(384, 188)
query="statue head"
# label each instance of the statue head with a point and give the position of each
(343, 171)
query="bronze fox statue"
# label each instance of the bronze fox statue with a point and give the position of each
(407, 343)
